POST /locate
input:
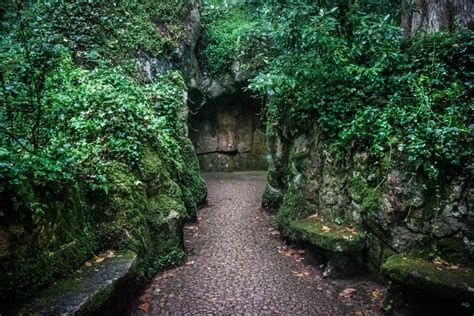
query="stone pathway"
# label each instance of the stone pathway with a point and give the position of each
(238, 265)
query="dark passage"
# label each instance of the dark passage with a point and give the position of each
(227, 132)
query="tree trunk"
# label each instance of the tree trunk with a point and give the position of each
(427, 16)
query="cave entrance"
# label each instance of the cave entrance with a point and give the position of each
(227, 131)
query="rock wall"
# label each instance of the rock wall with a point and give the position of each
(401, 212)
(49, 229)
(228, 135)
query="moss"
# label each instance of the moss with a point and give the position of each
(294, 206)
(457, 283)
(272, 197)
(453, 249)
(192, 184)
(328, 236)
(368, 197)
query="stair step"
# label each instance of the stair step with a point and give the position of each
(89, 290)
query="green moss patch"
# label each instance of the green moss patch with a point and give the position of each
(446, 281)
(368, 197)
(328, 236)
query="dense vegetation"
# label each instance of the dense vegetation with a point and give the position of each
(366, 87)
(231, 32)
(346, 67)
(93, 153)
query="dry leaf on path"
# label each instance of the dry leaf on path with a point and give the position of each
(300, 274)
(145, 307)
(348, 292)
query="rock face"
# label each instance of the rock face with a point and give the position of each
(228, 135)
(400, 212)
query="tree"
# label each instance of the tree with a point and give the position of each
(428, 16)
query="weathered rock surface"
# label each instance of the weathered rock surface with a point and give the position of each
(228, 134)
(98, 288)
(401, 212)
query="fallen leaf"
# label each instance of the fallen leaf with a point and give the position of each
(351, 231)
(190, 263)
(325, 229)
(315, 215)
(88, 264)
(99, 259)
(347, 293)
(300, 274)
(376, 294)
(145, 307)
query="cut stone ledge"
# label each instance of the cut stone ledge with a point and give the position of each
(341, 248)
(456, 283)
(328, 236)
(95, 289)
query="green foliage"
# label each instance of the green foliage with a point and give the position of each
(231, 32)
(347, 70)
(114, 31)
(91, 156)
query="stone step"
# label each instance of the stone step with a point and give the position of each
(328, 236)
(90, 290)
(443, 281)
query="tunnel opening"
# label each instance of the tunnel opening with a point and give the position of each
(227, 131)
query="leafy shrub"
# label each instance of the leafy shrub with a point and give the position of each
(231, 33)
(368, 88)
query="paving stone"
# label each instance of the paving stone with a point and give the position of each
(240, 267)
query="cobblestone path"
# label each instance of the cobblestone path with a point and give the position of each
(238, 265)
